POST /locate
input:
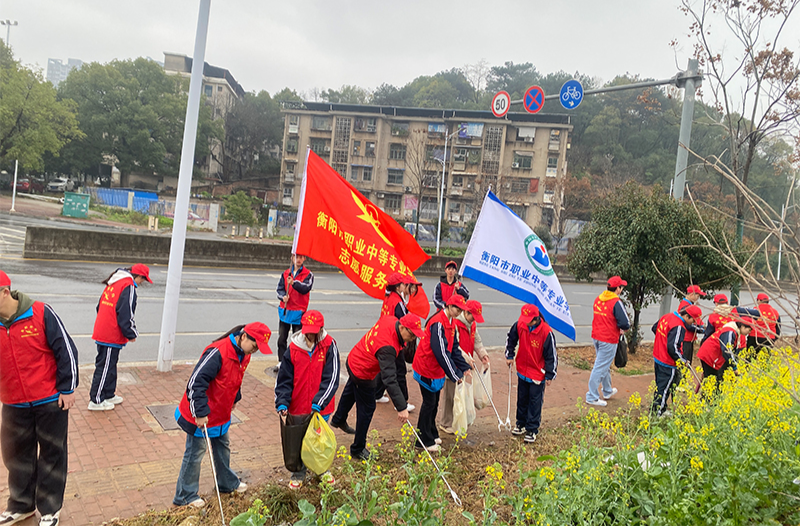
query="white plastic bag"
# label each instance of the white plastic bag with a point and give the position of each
(460, 421)
(469, 399)
(481, 399)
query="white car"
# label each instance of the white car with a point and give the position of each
(60, 184)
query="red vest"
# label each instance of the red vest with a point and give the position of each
(425, 363)
(717, 321)
(296, 301)
(666, 324)
(466, 337)
(766, 326)
(223, 389)
(308, 370)
(448, 290)
(604, 323)
(361, 359)
(689, 336)
(27, 365)
(390, 303)
(710, 352)
(530, 357)
(106, 328)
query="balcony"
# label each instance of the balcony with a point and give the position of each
(288, 201)
(548, 198)
(288, 178)
(294, 129)
(552, 172)
(554, 146)
(456, 190)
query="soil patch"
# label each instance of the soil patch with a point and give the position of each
(640, 362)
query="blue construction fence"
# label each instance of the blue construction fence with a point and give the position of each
(147, 203)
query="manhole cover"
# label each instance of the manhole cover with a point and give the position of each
(165, 416)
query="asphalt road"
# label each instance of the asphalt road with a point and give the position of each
(214, 300)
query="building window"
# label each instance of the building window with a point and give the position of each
(436, 129)
(494, 138)
(291, 146)
(391, 202)
(467, 211)
(294, 120)
(430, 179)
(397, 152)
(356, 148)
(455, 207)
(321, 123)
(369, 149)
(429, 208)
(547, 217)
(208, 89)
(290, 169)
(519, 210)
(369, 125)
(491, 167)
(366, 173)
(522, 162)
(320, 147)
(552, 162)
(519, 186)
(354, 173)
(395, 176)
(460, 155)
(288, 192)
(372, 125)
(400, 129)
(555, 135)
(458, 181)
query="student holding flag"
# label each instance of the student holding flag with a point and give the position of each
(438, 357)
(294, 287)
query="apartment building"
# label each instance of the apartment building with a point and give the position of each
(395, 157)
(220, 90)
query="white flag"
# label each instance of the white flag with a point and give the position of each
(506, 255)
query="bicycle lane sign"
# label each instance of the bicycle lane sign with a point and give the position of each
(571, 94)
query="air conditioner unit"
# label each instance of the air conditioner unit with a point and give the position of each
(327, 149)
(514, 165)
(380, 195)
(528, 139)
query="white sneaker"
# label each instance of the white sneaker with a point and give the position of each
(383, 400)
(50, 520)
(601, 403)
(198, 503)
(434, 448)
(8, 518)
(242, 487)
(116, 400)
(105, 405)
(613, 392)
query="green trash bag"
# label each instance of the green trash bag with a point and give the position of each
(319, 445)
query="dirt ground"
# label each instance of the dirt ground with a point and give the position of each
(583, 358)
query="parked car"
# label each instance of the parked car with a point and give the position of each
(60, 184)
(30, 186)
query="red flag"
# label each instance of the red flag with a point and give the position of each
(337, 225)
(418, 304)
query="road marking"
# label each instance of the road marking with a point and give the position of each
(314, 291)
(224, 274)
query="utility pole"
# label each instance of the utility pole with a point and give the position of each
(8, 24)
(169, 318)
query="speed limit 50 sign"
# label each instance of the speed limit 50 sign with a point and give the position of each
(500, 104)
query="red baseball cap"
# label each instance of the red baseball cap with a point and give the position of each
(413, 323)
(694, 311)
(529, 312)
(720, 298)
(762, 297)
(695, 289)
(5, 281)
(411, 280)
(312, 321)
(616, 281)
(457, 300)
(395, 278)
(261, 334)
(141, 270)
(451, 263)
(475, 308)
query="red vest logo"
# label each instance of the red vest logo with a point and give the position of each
(28, 330)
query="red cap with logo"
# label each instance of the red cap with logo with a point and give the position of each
(451, 263)
(695, 289)
(141, 270)
(260, 333)
(762, 297)
(5, 281)
(694, 311)
(413, 323)
(475, 308)
(457, 300)
(312, 322)
(529, 312)
(395, 278)
(411, 280)
(616, 281)
(720, 298)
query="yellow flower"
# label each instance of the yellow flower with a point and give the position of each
(635, 400)
(697, 464)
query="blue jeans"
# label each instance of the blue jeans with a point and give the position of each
(189, 477)
(601, 372)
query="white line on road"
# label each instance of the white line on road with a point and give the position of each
(224, 274)
(15, 230)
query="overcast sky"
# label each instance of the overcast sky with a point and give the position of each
(322, 43)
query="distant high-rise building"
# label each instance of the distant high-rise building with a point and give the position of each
(58, 70)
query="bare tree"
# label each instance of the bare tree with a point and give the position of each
(477, 74)
(423, 168)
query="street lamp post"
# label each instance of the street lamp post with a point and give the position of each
(8, 24)
(441, 188)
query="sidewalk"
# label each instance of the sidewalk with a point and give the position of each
(122, 463)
